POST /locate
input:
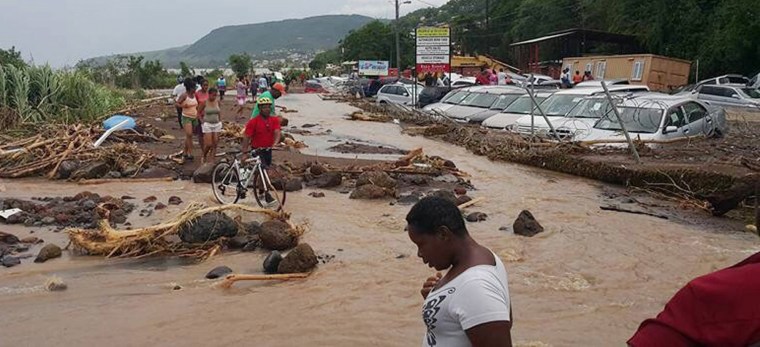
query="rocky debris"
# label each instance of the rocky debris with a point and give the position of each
(238, 242)
(55, 284)
(476, 217)
(317, 195)
(317, 169)
(157, 172)
(146, 212)
(463, 199)
(16, 218)
(252, 228)
(67, 168)
(150, 199)
(252, 246)
(9, 239)
(447, 178)
(204, 173)
(368, 192)
(416, 180)
(31, 240)
(218, 272)
(328, 180)
(325, 258)
(50, 251)
(409, 199)
(113, 174)
(277, 236)
(308, 125)
(9, 261)
(504, 228)
(92, 170)
(526, 225)
(300, 259)
(460, 191)
(378, 178)
(272, 262)
(175, 200)
(80, 210)
(127, 197)
(130, 170)
(208, 227)
(445, 194)
(160, 206)
(288, 184)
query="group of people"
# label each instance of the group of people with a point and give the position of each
(569, 81)
(245, 85)
(199, 113)
(489, 77)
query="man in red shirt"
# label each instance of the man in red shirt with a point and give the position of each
(262, 133)
(718, 309)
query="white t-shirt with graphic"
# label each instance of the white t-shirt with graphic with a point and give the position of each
(477, 296)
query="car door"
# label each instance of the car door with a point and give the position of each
(728, 98)
(392, 94)
(712, 94)
(384, 94)
(697, 119)
(674, 117)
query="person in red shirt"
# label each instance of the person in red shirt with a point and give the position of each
(262, 133)
(718, 309)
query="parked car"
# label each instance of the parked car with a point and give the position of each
(480, 98)
(431, 95)
(754, 82)
(661, 118)
(464, 82)
(598, 83)
(559, 105)
(515, 111)
(451, 99)
(313, 86)
(726, 79)
(398, 93)
(503, 101)
(729, 95)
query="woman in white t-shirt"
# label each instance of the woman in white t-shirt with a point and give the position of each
(470, 305)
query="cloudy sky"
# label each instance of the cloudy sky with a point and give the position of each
(61, 32)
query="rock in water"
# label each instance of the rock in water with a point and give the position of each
(476, 217)
(208, 227)
(9, 261)
(160, 206)
(368, 192)
(378, 178)
(293, 184)
(48, 252)
(97, 169)
(460, 191)
(67, 168)
(329, 180)
(526, 225)
(203, 173)
(463, 199)
(272, 262)
(317, 169)
(238, 242)
(300, 259)
(8, 238)
(445, 194)
(151, 198)
(277, 236)
(175, 200)
(31, 240)
(218, 272)
(317, 195)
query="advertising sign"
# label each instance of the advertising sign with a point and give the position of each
(433, 51)
(373, 67)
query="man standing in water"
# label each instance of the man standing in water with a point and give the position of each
(470, 305)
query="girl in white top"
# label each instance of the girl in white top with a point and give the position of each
(470, 305)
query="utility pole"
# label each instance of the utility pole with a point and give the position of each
(398, 44)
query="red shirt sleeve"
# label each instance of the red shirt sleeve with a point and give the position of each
(249, 127)
(276, 123)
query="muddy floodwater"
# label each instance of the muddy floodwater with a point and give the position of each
(589, 280)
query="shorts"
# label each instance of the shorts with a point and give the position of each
(241, 100)
(189, 120)
(266, 157)
(211, 127)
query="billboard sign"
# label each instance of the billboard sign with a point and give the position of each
(433, 51)
(373, 67)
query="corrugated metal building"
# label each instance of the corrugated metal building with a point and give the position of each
(658, 72)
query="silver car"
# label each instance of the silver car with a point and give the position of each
(729, 95)
(726, 79)
(451, 99)
(515, 111)
(504, 101)
(399, 93)
(480, 99)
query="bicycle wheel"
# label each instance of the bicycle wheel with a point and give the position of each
(224, 183)
(265, 193)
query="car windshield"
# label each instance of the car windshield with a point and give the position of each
(522, 105)
(636, 120)
(455, 98)
(560, 105)
(591, 108)
(481, 100)
(504, 101)
(751, 93)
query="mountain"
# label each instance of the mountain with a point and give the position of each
(271, 40)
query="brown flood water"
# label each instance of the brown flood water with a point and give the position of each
(589, 280)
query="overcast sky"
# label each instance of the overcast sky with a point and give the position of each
(63, 31)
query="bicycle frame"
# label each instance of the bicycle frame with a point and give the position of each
(257, 167)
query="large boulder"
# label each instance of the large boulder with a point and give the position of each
(300, 259)
(203, 173)
(526, 225)
(93, 170)
(208, 227)
(328, 180)
(272, 262)
(9, 239)
(218, 272)
(368, 192)
(50, 251)
(67, 168)
(445, 194)
(288, 184)
(277, 236)
(378, 178)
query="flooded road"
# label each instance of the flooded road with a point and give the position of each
(589, 280)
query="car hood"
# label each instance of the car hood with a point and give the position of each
(502, 120)
(462, 112)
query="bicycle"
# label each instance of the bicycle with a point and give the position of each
(230, 182)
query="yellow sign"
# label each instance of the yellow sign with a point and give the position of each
(433, 32)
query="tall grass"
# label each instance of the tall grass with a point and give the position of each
(38, 94)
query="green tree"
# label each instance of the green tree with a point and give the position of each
(376, 41)
(240, 63)
(185, 70)
(12, 57)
